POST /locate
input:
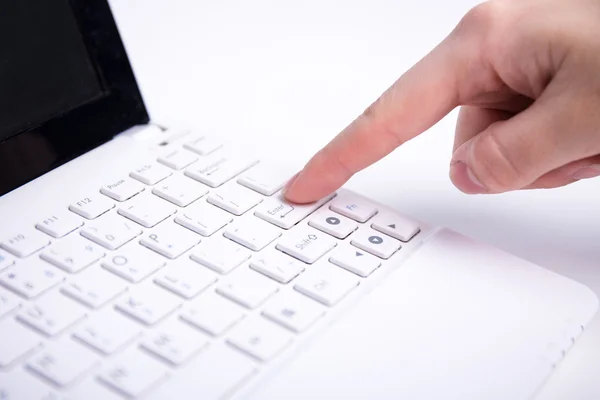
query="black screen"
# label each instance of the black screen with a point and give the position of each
(45, 68)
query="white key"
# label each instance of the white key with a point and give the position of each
(17, 341)
(204, 145)
(174, 342)
(178, 159)
(62, 362)
(326, 283)
(20, 385)
(293, 311)
(215, 373)
(59, 224)
(180, 190)
(94, 287)
(150, 174)
(31, 278)
(252, 233)
(111, 231)
(5, 261)
(107, 332)
(8, 302)
(122, 189)
(92, 207)
(91, 389)
(185, 278)
(277, 265)
(266, 179)
(285, 215)
(52, 314)
(204, 218)
(147, 210)
(72, 254)
(25, 243)
(395, 226)
(133, 373)
(213, 314)
(375, 242)
(354, 207)
(148, 305)
(217, 168)
(260, 338)
(355, 260)
(234, 198)
(248, 288)
(333, 224)
(170, 240)
(220, 254)
(306, 244)
(133, 263)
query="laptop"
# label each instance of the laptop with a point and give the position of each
(140, 261)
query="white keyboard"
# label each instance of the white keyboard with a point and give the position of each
(189, 270)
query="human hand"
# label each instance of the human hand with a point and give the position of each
(527, 75)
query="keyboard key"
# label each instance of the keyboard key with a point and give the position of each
(266, 179)
(147, 210)
(217, 168)
(107, 332)
(247, 288)
(122, 189)
(5, 261)
(355, 261)
(111, 231)
(204, 145)
(91, 389)
(133, 263)
(185, 278)
(260, 339)
(150, 174)
(220, 254)
(170, 240)
(148, 305)
(59, 224)
(293, 311)
(133, 373)
(25, 243)
(326, 283)
(62, 362)
(215, 373)
(234, 198)
(213, 314)
(395, 226)
(203, 218)
(72, 254)
(94, 287)
(252, 233)
(178, 159)
(19, 385)
(180, 190)
(17, 341)
(277, 265)
(52, 314)
(175, 342)
(352, 206)
(375, 242)
(8, 302)
(306, 244)
(334, 224)
(92, 207)
(31, 278)
(285, 215)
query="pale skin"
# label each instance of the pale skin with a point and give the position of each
(526, 76)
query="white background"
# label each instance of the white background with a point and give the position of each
(289, 75)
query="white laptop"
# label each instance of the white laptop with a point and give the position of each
(144, 262)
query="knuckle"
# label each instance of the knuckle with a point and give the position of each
(488, 23)
(377, 117)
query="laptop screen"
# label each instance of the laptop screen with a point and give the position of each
(45, 68)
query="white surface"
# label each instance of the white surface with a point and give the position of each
(290, 75)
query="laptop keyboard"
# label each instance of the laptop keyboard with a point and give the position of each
(191, 267)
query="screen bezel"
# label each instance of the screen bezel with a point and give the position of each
(48, 145)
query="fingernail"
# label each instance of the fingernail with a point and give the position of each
(591, 171)
(465, 179)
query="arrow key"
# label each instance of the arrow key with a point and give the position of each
(355, 261)
(396, 226)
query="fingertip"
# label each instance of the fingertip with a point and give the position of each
(465, 180)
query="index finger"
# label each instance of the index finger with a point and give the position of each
(415, 102)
